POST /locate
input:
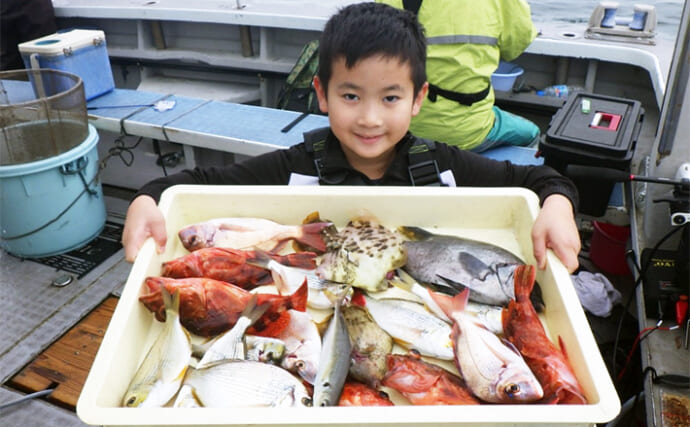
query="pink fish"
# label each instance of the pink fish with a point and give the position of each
(358, 394)
(251, 233)
(549, 363)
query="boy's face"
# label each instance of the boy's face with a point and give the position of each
(369, 108)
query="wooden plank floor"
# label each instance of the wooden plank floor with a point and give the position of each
(65, 365)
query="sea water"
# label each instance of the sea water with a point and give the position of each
(668, 13)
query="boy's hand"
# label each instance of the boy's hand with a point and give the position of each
(555, 229)
(144, 220)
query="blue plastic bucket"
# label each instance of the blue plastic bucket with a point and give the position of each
(504, 77)
(54, 205)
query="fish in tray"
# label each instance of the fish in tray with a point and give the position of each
(423, 383)
(410, 324)
(210, 307)
(246, 383)
(230, 344)
(230, 265)
(358, 394)
(370, 345)
(159, 376)
(361, 254)
(264, 349)
(492, 368)
(334, 361)
(302, 346)
(251, 233)
(550, 364)
(452, 263)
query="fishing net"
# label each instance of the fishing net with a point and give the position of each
(42, 114)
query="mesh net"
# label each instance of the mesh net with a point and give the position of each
(42, 114)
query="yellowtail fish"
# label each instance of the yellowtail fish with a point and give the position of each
(334, 362)
(370, 345)
(250, 233)
(361, 254)
(246, 383)
(411, 325)
(160, 374)
(492, 368)
(230, 345)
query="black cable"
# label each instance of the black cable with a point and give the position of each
(640, 278)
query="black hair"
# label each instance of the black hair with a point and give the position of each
(362, 30)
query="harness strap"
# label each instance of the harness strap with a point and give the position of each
(423, 168)
(461, 98)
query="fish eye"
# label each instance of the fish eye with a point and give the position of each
(512, 389)
(300, 364)
(307, 401)
(131, 401)
(325, 402)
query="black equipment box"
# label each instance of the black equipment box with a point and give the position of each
(593, 130)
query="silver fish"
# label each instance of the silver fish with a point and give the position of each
(488, 315)
(264, 349)
(453, 263)
(250, 233)
(411, 325)
(370, 346)
(246, 383)
(160, 374)
(492, 368)
(186, 398)
(230, 345)
(334, 362)
(302, 346)
(361, 254)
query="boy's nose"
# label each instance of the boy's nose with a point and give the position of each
(370, 115)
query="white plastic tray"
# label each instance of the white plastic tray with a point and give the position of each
(498, 215)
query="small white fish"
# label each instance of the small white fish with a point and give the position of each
(302, 346)
(230, 345)
(412, 326)
(246, 383)
(334, 363)
(160, 374)
(186, 398)
(264, 349)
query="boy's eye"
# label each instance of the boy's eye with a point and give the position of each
(350, 97)
(391, 98)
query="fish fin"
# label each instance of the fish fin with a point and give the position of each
(524, 281)
(260, 259)
(358, 298)
(561, 345)
(443, 301)
(459, 302)
(305, 259)
(311, 235)
(474, 266)
(298, 300)
(402, 280)
(415, 233)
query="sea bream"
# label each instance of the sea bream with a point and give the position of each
(246, 383)
(302, 342)
(361, 254)
(492, 368)
(549, 363)
(452, 263)
(251, 233)
(160, 374)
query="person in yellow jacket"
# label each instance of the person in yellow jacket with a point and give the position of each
(466, 39)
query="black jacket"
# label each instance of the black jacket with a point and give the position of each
(279, 167)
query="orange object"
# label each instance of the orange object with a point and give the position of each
(681, 309)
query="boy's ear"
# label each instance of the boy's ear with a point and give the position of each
(419, 99)
(320, 94)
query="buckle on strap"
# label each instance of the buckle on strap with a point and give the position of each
(425, 174)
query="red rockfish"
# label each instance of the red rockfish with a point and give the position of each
(524, 329)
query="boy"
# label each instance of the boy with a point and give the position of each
(371, 82)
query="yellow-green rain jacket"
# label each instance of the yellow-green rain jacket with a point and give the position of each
(466, 39)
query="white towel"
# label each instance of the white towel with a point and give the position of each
(596, 293)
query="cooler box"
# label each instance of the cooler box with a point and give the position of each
(80, 52)
(593, 130)
(503, 216)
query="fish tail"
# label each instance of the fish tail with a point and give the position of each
(311, 235)
(459, 302)
(402, 280)
(298, 300)
(524, 281)
(260, 259)
(306, 260)
(253, 312)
